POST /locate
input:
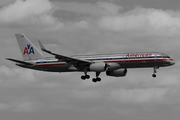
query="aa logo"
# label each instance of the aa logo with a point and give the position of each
(28, 50)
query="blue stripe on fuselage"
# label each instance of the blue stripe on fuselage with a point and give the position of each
(102, 59)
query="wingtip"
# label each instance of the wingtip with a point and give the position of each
(43, 48)
(41, 45)
(8, 58)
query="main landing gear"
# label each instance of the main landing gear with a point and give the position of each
(155, 71)
(97, 79)
(83, 77)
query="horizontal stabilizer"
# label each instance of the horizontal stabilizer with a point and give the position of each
(19, 61)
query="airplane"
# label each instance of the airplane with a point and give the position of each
(115, 65)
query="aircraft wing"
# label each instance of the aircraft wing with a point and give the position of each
(76, 62)
(19, 61)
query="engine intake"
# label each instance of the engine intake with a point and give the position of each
(117, 73)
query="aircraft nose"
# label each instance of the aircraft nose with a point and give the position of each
(172, 62)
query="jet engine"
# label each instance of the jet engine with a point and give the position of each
(98, 67)
(113, 66)
(117, 73)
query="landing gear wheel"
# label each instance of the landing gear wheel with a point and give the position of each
(87, 76)
(94, 80)
(98, 79)
(83, 77)
(154, 75)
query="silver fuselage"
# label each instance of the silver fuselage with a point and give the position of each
(125, 60)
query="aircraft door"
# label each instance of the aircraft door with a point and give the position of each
(155, 58)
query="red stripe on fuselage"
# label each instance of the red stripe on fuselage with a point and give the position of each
(52, 64)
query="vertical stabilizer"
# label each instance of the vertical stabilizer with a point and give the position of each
(28, 50)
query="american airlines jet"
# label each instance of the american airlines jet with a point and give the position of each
(113, 64)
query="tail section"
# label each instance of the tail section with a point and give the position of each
(28, 50)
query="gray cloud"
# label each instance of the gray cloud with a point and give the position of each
(100, 8)
(23, 9)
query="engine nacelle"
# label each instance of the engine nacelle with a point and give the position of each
(117, 73)
(113, 66)
(98, 67)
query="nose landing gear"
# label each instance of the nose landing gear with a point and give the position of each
(154, 75)
(155, 71)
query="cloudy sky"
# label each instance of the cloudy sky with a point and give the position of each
(84, 27)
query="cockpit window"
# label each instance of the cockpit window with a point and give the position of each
(166, 57)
